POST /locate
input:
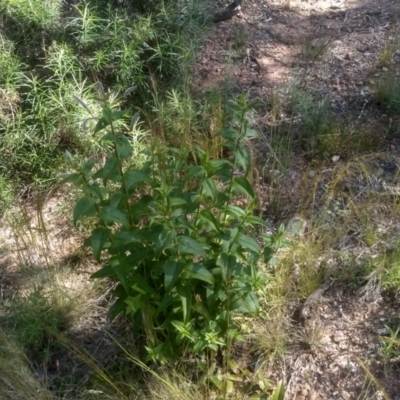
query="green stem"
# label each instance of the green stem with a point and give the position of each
(121, 172)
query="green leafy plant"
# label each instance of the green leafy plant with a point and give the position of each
(176, 235)
(390, 349)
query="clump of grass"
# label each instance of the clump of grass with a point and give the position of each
(385, 270)
(315, 48)
(17, 381)
(322, 135)
(390, 347)
(387, 94)
(34, 319)
(310, 336)
(240, 37)
(7, 195)
(44, 14)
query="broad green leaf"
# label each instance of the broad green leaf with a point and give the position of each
(94, 190)
(100, 236)
(74, 178)
(279, 392)
(140, 208)
(251, 133)
(227, 262)
(229, 385)
(184, 223)
(245, 303)
(124, 148)
(176, 213)
(172, 271)
(248, 243)
(121, 140)
(134, 304)
(88, 166)
(117, 199)
(117, 308)
(268, 254)
(185, 295)
(137, 257)
(242, 157)
(220, 168)
(198, 271)
(105, 272)
(109, 137)
(228, 133)
(242, 184)
(84, 207)
(195, 171)
(176, 201)
(208, 216)
(202, 309)
(111, 214)
(199, 346)
(235, 211)
(209, 188)
(217, 382)
(164, 239)
(166, 301)
(109, 116)
(133, 178)
(110, 171)
(140, 285)
(187, 245)
(254, 220)
(124, 151)
(116, 115)
(124, 238)
(101, 124)
(230, 237)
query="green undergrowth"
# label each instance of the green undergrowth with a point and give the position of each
(53, 52)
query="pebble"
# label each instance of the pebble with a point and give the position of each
(339, 336)
(312, 396)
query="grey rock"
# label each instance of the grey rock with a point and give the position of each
(296, 226)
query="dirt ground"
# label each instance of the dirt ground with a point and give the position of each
(330, 47)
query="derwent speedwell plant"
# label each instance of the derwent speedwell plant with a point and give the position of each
(172, 233)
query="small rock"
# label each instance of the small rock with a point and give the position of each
(296, 226)
(382, 332)
(337, 5)
(346, 396)
(339, 336)
(312, 396)
(343, 346)
(335, 158)
(379, 172)
(312, 173)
